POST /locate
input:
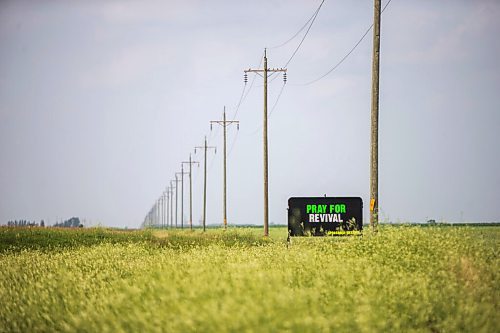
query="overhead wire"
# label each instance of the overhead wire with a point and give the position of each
(249, 89)
(277, 100)
(270, 112)
(232, 143)
(346, 56)
(305, 35)
(296, 34)
(310, 22)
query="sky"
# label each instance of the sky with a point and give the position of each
(101, 101)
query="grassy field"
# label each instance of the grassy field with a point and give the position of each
(403, 279)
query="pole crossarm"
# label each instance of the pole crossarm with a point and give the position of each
(192, 162)
(205, 147)
(269, 70)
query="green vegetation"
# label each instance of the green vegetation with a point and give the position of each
(404, 279)
(52, 239)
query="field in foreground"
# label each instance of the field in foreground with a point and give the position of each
(404, 279)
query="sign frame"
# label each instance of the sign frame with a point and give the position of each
(325, 216)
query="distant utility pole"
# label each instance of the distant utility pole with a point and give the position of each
(176, 200)
(374, 205)
(224, 123)
(205, 148)
(167, 189)
(182, 173)
(157, 212)
(190, 162)
(164, 207)
(160, 208)
(265, 72)
(171, 205)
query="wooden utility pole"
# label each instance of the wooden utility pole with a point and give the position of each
(182, 173)
(176, 180)
(164, 208)
(374, 204)
(265, 72)
(157, 204)
(157, 211)
(171, 205)
(162, 213)
(205, 148)
(224, 123)
(168, 204)
(190, 162)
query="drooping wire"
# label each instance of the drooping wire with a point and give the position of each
(296, 34)
(305, 35)
(244, 95)
(271, 112)
(239, 102)
(346, 56)
(277, 100)
(232, 144)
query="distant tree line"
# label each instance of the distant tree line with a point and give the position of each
(73, 222)
(25, 223)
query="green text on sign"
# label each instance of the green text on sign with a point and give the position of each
(321, 209)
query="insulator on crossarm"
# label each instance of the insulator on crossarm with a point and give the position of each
(284, 77)
(245, 78)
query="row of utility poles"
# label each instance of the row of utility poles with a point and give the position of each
(159, 216)
(157, 212)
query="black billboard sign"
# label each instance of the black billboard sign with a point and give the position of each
(323, 216)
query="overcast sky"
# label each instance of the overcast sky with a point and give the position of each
(100, 101)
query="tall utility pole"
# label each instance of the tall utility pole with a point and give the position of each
(374, 126)
(224, 123)
(205, 148)
(171, 205)
(176, 201)
(190, 162)
(182, 173)
(265, 74)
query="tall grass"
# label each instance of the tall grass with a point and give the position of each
(407, 279)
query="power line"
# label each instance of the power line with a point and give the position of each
(241, 100)
(248, 91)
(346, 56)
(305, 35)
(235, 138)
(312, 19)
(272, 109)
(277, 100)
(297, 33)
